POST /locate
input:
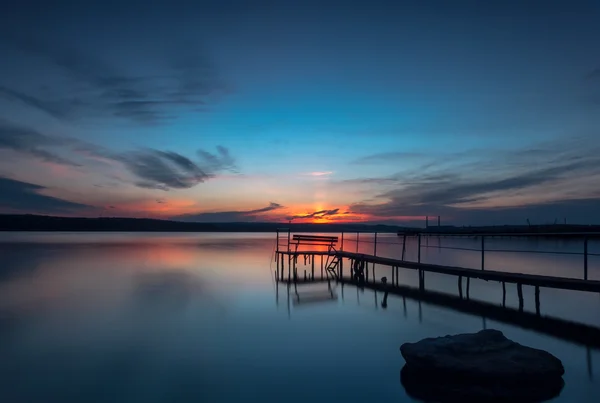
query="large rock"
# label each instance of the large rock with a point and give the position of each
(487, 354)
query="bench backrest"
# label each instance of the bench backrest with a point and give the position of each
(315, 240)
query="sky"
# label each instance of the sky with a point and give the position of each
(481, 112)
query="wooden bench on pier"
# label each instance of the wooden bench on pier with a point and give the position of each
(317, 240)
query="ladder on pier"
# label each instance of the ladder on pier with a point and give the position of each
(331, 268)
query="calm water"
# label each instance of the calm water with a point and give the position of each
(197, 317)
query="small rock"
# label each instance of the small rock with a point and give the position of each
(487, 354)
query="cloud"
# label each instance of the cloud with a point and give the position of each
(33, 102)
(230, 216)
(166, 170)
(30, 142)
(23, 197)
(387, 157)
(316, 214)
(492, 184)
(97, 89)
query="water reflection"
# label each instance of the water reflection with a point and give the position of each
(192, 317)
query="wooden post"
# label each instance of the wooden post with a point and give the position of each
(313, 267)
(289, 230)
(482, 252)
(537, 300)
(503, 294)
(374, 254)
(357, 236)
(375, 247)
(520, 292)
(321, 267)
(277, 265)
(403, 246)
(342, 245)
(460, 286)
(289, 267)
(419, 246)
(277, 240)
(468, 286)
(397, 279)
(585, 258)
(393, 273)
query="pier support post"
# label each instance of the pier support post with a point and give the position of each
(482, 252)
(585, 258)
(397, 272)
(460, 287)
(321, 267)
(342, 244)
(468, 286)
(374, 254)
(403, 246)
(503, 294)
(537, 300)
(419, 248)
(393, 274)
(357, 236)
(313, 268)
(520, 292)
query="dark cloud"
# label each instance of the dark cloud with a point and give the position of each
(166, 170)
(30, 142)
(16, 196)
(316, 214)
(230, 216)
(96, 89)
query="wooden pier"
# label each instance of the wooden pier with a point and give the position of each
(362, 269)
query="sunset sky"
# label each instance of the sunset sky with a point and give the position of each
(483, 112)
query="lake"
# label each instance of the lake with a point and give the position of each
(156, 317)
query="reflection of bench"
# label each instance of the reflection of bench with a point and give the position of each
(317, 240)
(314, 295)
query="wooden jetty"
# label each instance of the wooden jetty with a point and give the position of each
(332, 268)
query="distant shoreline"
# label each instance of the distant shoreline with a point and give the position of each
(32, 223)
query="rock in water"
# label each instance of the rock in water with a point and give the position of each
(487, 354)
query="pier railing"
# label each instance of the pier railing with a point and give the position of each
(355, 242)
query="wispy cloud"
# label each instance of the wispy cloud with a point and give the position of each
(30, 142)
(17, 196)
(231, 216)
(320, 173)
(465, 189)
(96, 89)
(388, 157)
(321, 214)
(166, 170)
(154, 169)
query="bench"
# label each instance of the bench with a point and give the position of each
(317, 240)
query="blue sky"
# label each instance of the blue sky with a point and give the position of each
(482, 112)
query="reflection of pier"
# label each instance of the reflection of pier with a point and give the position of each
(560, 328)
